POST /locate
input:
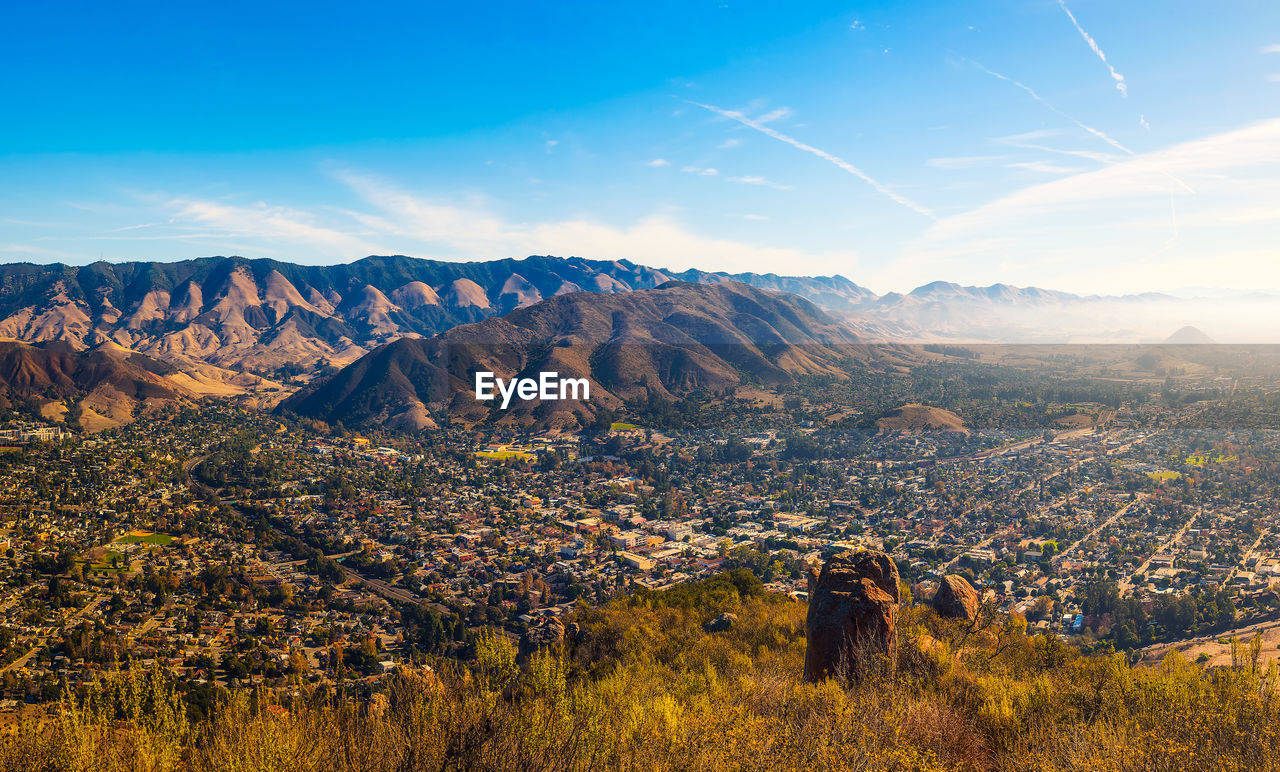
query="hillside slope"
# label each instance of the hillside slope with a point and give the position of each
(664, 342)
(104, 387)
(644, 686)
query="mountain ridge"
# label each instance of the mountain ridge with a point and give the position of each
(663, 342)
(284, 320)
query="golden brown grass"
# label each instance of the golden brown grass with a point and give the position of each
(646, 689)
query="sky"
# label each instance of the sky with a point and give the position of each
(1091, 146)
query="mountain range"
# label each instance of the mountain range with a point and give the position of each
(278, 319)
(664, 342)
(264, 315)
(230, 325)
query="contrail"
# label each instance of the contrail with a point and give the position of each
(1050, 105)
(1119, 79)
(1082, 125)
(824, 155)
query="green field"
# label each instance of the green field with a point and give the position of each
(503, 455)
(1202, 460)
(1164, 476)
(106, 567)
(160, 539)
(621, 426)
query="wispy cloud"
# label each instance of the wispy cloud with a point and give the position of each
(1044, 167)
(272, 224)
(1021, 141)
(1093, 44)
(1271, 49)
(1095, 132)
(701, 171)
(406, 222)
(730, 143)
(824, 155)
(963, 162)
(780, 114)
(1115, 222)
(24, 251)
(755, 180)
(659, 162)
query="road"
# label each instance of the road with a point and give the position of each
(1074, 466)
(1127, 584)
(392, 593)
(22, 661)
(1244, 559)
(1119, 513)
(190, 464)
(337, 556)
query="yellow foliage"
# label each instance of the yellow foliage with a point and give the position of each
(647, 689)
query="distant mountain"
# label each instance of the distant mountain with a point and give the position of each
(263, 315)
(107, 386)
(664, 342)
(1189, 336)
(229, 315)
(1001, 313)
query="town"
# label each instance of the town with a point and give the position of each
(239, 547)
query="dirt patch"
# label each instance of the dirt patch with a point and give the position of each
(921, 418)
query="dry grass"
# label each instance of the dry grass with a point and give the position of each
(646, 689)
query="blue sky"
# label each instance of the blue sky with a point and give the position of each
(1091, 146)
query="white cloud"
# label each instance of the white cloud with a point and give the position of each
(1271, 49)
(780, 114)
(396, 221)
(1023, 141)
(701, 172)
(824, 155)
(28, 251)
(756, 180)
(276, 225)
(1117, 228)
(1274, 77)
(1044, 167)
(963, 162)
(659, 162)
(730, 143)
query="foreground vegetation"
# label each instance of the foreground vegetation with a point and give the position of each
(643, 687)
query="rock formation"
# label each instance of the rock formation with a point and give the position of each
(721, 623)
(545, 636)
(956, 599)
(851, 614)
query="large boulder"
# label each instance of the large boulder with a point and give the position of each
(720, 624)
(956, 599)
(547, 635)
(852, 605)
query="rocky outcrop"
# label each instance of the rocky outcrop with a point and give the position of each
(720, 624)
(852, 605)
(547, 635)
(956, 599)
